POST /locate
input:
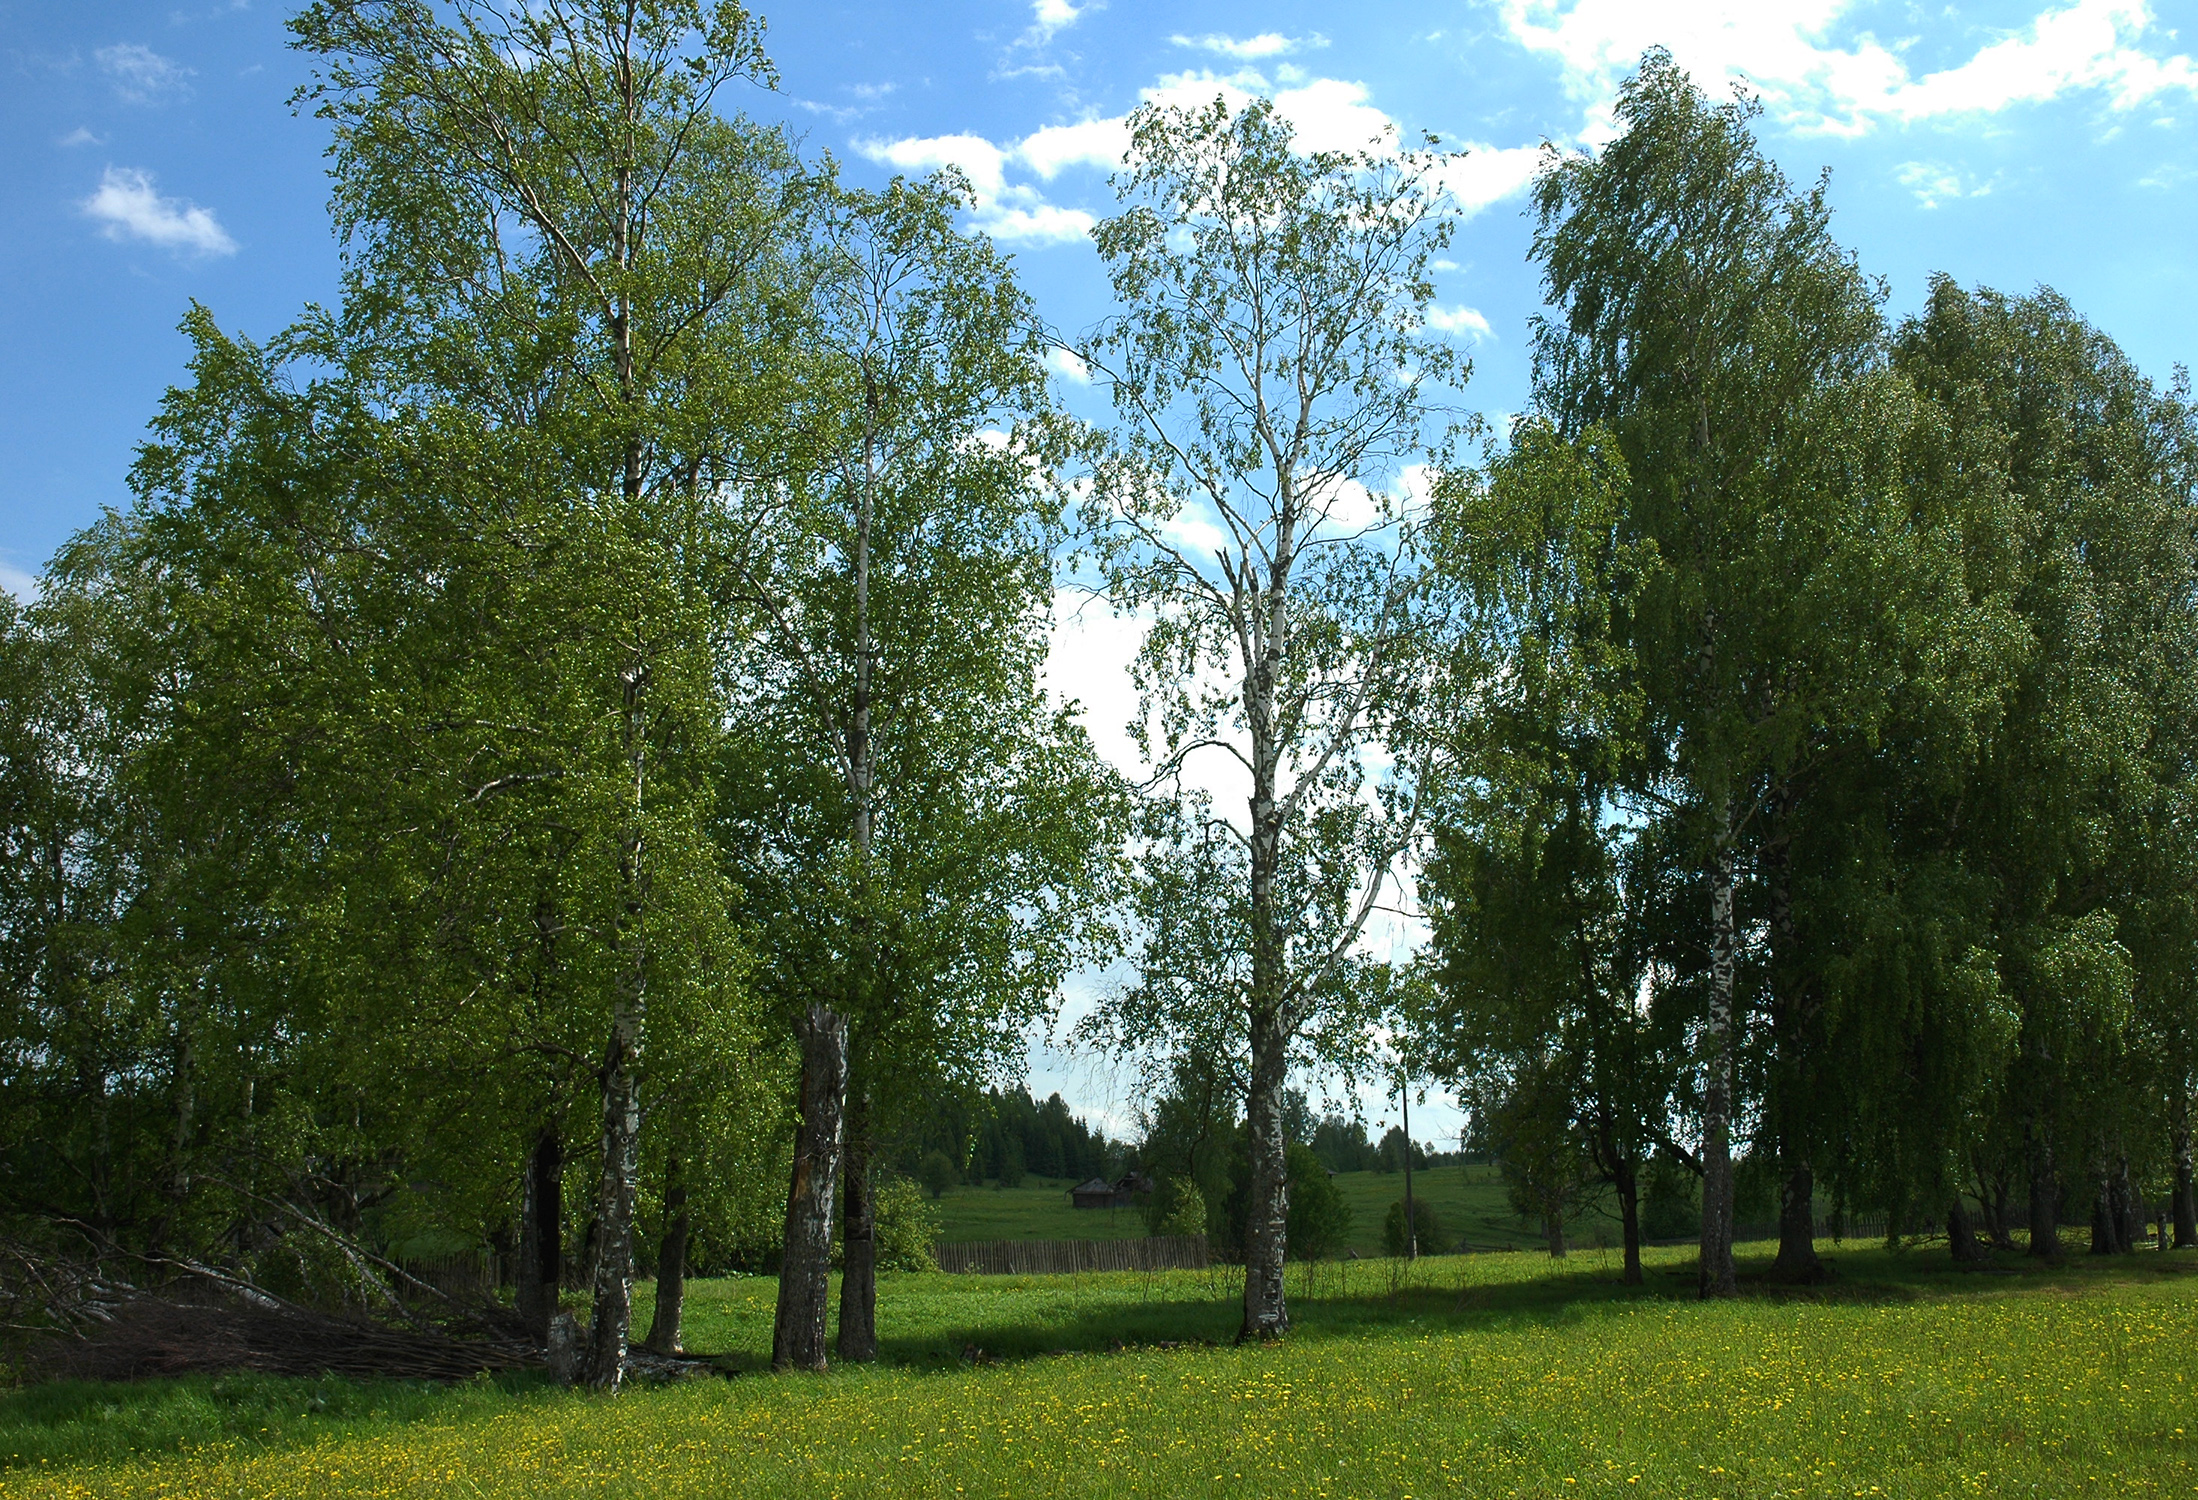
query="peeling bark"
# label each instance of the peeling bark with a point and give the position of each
(799, 1331)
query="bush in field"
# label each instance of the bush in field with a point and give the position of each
(937, 1174)
(1320, 1221)
(1425, 1228)
(1182, 1208)
(907, 1229)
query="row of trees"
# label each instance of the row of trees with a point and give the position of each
(1823, 707)
(557, 748)
(561, 720)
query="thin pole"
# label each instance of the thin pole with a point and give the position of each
(1411, 1229)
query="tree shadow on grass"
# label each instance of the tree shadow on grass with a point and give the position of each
(1444, 1293)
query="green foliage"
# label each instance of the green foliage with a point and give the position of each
(937, 1174)
(1426, 1229)
(907, 1227)
(1320, 1219)
(1179, 1208)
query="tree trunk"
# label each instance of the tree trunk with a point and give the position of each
(2130, 1220)
(671, 1265)
(612, 1320)
(541, 1235)
(1797, 1258)
(1961, 1239)
(1553, 1232)
(1717, 1278)
(858, 1340)
(2045, 1202)
(1789, 1103)
(1629, 1219)
(798, 1334)
(1266, 1229)
(2186, 1202)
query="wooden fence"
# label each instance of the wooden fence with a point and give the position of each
(1160, 1252)
(463, 1274)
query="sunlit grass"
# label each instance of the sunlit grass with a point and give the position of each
(1491, 1375)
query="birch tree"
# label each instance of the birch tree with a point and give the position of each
(556, 238)
(922, 831)
(1271, 375)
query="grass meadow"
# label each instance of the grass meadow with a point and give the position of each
(1468, 1200)
(1498, 1375)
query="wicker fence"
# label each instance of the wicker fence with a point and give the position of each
(1160, 1252)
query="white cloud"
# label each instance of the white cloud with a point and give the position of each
(129, 209)
(1004, 210)
(1812, 81)
(1064, 363)
(1050, 16)
(1098, 143)
(1934, 183)
(141, 75)
(1251, 48)
(1460, 322)
(1490, 174)
(14, 580)
(81, 136)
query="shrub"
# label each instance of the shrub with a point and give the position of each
(1320, 1221)
(1425, 1228)
(1182, 1208)
(937, 1174)
(907, 1229)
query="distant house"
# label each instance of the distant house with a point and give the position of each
(1100, 1193)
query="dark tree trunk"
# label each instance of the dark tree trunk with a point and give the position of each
(1629, 1219)
(1961, 1239)
(799, 1333)
(1797, 1258)
(1553, 1232)
(2045, 1203)
(541, 1235)
(1266, 1230)
(1716, 1269)
(671, 1265)
(2102, 1221)
(1789, 1102)
(2129, 1209)
(2186, 1203)
(858, 1340)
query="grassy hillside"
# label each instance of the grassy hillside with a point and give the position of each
(1474, 1375)
(1468, 1202)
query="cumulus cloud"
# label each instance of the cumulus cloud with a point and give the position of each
(1098, 143)
(1460, 322)
(1489, 174)
(1251, 48)
(1326, 114)
(1848, 83)
(1064, 363)
(1050, 16)
(13, 580)
(141, 75)
(1004, 210)
(128, 208)
(1934, 183)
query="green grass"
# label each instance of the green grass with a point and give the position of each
(1468, 1201)
(1038, 1210)
(1480, 1375)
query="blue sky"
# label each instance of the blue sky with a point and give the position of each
(151, 159)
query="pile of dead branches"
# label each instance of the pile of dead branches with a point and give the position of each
(148, 1336)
